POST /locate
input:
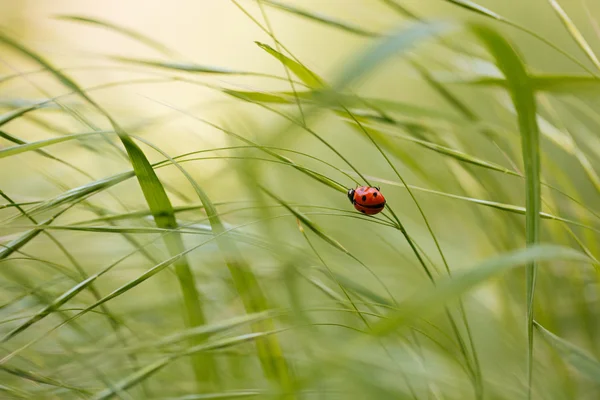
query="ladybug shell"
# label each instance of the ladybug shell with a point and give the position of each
(366, 199)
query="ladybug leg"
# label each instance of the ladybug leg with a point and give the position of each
(351, 195)
(377, 187)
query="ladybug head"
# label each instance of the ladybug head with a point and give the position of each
(351, 195)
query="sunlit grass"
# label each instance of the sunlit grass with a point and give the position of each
(238, 269)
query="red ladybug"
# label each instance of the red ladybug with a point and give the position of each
(366, 199)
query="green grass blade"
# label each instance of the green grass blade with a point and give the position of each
(575, 33)
(307, 222)
(523, 98)
(331, 100)
(50, 308)
(429, 301)
(158, 202)
(119, 29)
(269, 349)
(476, 8)
(237, 394)
(21, 241)
(556, 84)
(35, 377)
(151, 369)
(578, 358)
(14, 150)
(334, 23)
(397, 43)
(304, 74)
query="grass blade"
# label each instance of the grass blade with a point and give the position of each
(158, 202)
(476, 8)
(397, 43)
(428, 301)
(523, 97)
(306, 75)
(575, 33)
(14, 150)
(151, 369)
(334, 23)
(578, 358)
(119, 29)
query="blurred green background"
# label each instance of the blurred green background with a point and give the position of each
(241, 270)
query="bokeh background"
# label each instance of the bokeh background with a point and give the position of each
(328, 276)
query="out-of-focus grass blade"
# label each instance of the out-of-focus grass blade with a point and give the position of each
(307, 222)
(17, 393)
(269, 349)
(184, 67)
(319, 232)
(578, 358)
(151, 369)
(523, 97)
(304, 74)
(80, 192)
(577, 36)
(237, 394)
(397, 43)
(446, 94)
(120, 29)
(334, 23)
(34, 377)
(158, 202)
(50, 308)
(558, 84)
(471, 6)
(14, 114)
(213, 328)
(476, 8)
(487, 203)
(455, 154)
(21, 241)
(11, 151)
(428, 301)
(349, 100)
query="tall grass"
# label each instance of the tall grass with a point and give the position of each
(136, 266)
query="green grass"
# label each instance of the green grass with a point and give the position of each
(142, 260)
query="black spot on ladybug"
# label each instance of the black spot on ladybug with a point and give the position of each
(375, 194)
(364, 198)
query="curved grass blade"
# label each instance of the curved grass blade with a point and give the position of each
(476, 8)
(151, 369)
(335, 23)
(187, 67)
(523, 97)
(471, 6)
(319, 232)
(21, 241)
(158, 201)
(22, 148)
(119, 29)
(269, 349)
(332, 100)
(237, 394)
(34, 377)
(307, 76)
(556, 84)
(578, 358)
(575, 33)
(426, 302)
(396, 43)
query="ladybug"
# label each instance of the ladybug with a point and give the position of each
(366, 199)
